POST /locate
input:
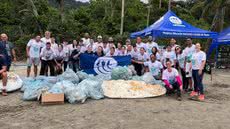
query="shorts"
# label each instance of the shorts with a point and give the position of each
(33, 61)
(188, 71)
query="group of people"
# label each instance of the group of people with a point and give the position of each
(164, 63)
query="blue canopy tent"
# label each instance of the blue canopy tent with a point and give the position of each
(222, 39)
(172, 26)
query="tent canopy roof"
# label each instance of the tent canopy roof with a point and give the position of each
(171, 25)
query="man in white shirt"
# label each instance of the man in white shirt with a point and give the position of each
(47, 58)
(86, 40)
(46, 38)
(33, 50)
(140, 44)
(151, 44)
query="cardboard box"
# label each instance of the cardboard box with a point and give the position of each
(49, 98)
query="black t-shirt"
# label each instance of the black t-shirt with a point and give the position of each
(75, 52)
(2, 62)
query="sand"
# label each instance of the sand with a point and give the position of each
(153, 113)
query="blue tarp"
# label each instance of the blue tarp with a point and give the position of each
(222, 39)
(172, 26)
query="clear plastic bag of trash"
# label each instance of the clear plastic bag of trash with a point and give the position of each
(132, 70)
(121, 73)
(148, 78)
(35, 88)
(69, 75)
(82, 75)
(56, 89)
(88, 88)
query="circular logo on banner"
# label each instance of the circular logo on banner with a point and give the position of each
(104, 65)
(175, 20)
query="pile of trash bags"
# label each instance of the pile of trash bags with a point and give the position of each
(78, 87)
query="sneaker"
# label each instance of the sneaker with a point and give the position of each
(193, 93)
(201, 97)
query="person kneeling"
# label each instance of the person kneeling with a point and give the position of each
(3, 74)
(172, 80)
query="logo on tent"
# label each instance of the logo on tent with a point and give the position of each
(104, 65)
(175, 20)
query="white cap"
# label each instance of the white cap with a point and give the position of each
(99, 37)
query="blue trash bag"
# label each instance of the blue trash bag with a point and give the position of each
(26, 83)
(75, 95)
(122, 73)
(57, 88)
(137, 78)
(69, 75)
(35, 88)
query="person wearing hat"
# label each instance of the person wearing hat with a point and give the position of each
(86, 39)
(188, 52)
(151, 44)
(98, 43)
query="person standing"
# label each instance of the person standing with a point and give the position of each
(98, 43)
(59, 59)
(67, 54)
(33, 50)
(188, 52)
(173, 44)
(119, 48)
(140, 44)
(10, 51)
(181, 60)
(3, 73)
(46, 38)
(47, 60)
(172, 80)
(86, 39)
(54, 45)
(198, 64)
(75, 51)
(151, 44)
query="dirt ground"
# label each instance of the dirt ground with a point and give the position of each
(153, 113)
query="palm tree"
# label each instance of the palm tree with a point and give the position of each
(218, 9)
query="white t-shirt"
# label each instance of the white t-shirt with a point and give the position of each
(134, 54)
(45, 40)
(158, 56)
(60, 55)
(197, 59)
(119, 52)
(171, 55)
(181, 60)
(150, 46)
(96, 45)
(54, 46)
(35, 48)
(86, 42)
(140, 46)
(188, 51)
(106, 49)
(66, 50)
(170, 76)
(47, 54)
(144, 57)
(154, 67)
